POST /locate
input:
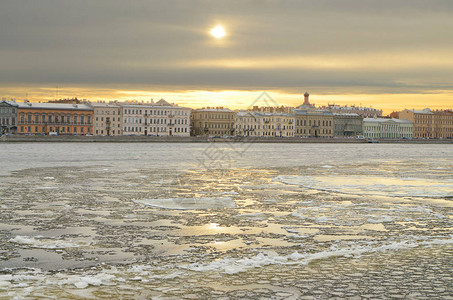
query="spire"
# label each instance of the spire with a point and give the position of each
(306, 95)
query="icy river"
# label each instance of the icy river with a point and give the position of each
(226, 220)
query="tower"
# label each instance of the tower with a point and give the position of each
(306, 102)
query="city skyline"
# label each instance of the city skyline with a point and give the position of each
(387, 55)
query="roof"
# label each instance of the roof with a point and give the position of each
(312, 112)
(103, 104)
(261, 114)
(346, 114)
(12, 103)
(54, 106)
(422, 111)
(384, 120)
(213, 110)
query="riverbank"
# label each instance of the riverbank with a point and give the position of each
(176, 139)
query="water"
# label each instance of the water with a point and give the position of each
(219, 220)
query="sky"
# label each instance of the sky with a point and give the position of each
(384, 54)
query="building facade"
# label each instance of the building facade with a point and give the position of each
(8, 117)
(155, 119)
(108, 119)
(260, 124)
(313, 123)
(347, 125)
(212, 121)
(430, 124)
(54, 118)
(381, 128)
(249, 123)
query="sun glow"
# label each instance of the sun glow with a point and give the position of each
(218, 32)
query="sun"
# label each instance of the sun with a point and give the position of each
(218, 32)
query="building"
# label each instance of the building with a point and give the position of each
(347, 125)
(382, 128)
(260, 124)
(212, 121)
(313, 123)
(249, 123)
(278, 125)
(108, 118)
(430, 124)
(156, 119)
(364, 112)
(8, 117)
(54, 118)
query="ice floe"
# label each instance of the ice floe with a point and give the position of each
(373, 185)
(230, 265)
(189, 203)
(47, 243)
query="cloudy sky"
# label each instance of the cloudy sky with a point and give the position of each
(387, 54)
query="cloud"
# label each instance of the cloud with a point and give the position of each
(402, 46)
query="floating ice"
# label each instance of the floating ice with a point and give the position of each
(231, 265)
(95, 280)
(46, 243)
(49, 178)
(374, 185)
(189, 203)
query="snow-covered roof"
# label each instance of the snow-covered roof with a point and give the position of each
(421, 111)
(46, 105)
(103, 104)
(383, 120)
(347, 114)
(213, 110)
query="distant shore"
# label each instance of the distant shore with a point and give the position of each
(175, 139)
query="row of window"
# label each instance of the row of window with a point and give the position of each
(155, 112)
(112, 132)
(62, 129)
(155, 129)
(7, 121)
(75, 119)
(278, 127)
(307, 131)
(314, 123)
(7, 110)
(106, 112)
(215, 116)
(154, 121)
(267, 133)
(216, 125)
(107, 119)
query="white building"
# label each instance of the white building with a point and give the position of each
(381, 128)
(155, 119)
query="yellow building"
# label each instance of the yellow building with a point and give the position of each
(314, 123)
(108, 119)
(212, 121)
(428, 123)
(260, 124)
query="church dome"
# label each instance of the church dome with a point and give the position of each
(306, 94)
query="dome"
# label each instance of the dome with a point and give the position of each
(306, 94)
